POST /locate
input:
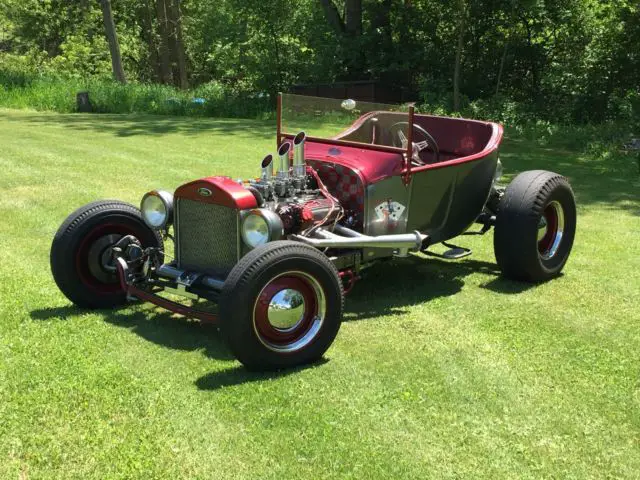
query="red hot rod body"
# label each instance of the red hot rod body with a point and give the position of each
(366, 183)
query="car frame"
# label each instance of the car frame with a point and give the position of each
(279, 253)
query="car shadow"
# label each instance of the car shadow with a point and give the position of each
(504, 285)
(390, 287)
(239, 375)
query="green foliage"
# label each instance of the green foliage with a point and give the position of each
(568, 61)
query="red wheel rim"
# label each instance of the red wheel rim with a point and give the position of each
(83, 255)
(550, 230)
(289, 312)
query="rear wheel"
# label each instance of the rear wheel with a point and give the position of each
(81, 260)
(281, 306)
(535, 226)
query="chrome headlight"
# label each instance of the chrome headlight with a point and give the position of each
(157, 209)
(261, 226)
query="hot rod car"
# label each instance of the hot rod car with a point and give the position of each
(277, 253)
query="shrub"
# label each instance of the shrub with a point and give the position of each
(23, 86)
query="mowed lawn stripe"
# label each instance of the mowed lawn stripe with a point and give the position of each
(441, 369)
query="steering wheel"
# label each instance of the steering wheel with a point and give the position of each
(400, 140)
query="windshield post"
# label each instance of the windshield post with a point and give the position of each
(279, 120)
(406, 177)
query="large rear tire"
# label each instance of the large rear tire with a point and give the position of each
(281, 306)
(81, 263)
(535, 226)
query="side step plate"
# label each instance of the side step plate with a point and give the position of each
(454, 252)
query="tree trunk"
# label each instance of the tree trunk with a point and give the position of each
(333, 16)
(381, 27)
(458, 61)
(163, 47)
(276, 51)
(149, 37)
(112, 38)
(180, 57)
(382, 17)
(532, 58)
(501, 70)
(353, 17)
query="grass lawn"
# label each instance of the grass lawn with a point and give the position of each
(440, 369)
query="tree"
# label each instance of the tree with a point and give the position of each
(333, 16)
(353, 17)
(175, 21)
(166, 76)
(112, 38)
(462, 12)
(567, 60)
(145, 13)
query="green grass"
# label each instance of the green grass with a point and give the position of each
(440, 370)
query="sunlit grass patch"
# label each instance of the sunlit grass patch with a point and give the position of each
(440, 369)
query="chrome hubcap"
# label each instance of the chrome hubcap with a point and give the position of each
(289, 312)
(286, 309)
(550, 230)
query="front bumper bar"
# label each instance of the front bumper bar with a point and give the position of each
(127, 284)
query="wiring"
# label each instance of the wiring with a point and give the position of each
(335, 203)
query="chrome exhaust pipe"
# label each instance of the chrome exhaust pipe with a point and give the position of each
(299, 168)
(283, 153)
(325, 239)
(267, 168)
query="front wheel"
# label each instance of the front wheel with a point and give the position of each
(535, 226)
(281, 306)
(81, 261)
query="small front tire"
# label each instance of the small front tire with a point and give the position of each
(81, 263)
(281, 306)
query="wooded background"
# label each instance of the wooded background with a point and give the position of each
(566, 60)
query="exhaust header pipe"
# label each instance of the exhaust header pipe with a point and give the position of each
(283, 153)
(325, 239)
(299, 168)
(267, 168)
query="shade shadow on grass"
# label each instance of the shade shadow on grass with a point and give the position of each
(606, 180)
(129, 125)
(157, 326)
(506, 286)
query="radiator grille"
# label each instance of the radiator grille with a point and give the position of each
(206, 237)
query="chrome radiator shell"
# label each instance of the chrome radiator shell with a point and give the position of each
(207, 237)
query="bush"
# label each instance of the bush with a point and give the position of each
(25, 84)
(106, 96)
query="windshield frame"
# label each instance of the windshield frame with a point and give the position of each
(406, 153)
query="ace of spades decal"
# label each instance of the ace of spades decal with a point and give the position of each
(389, 212)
